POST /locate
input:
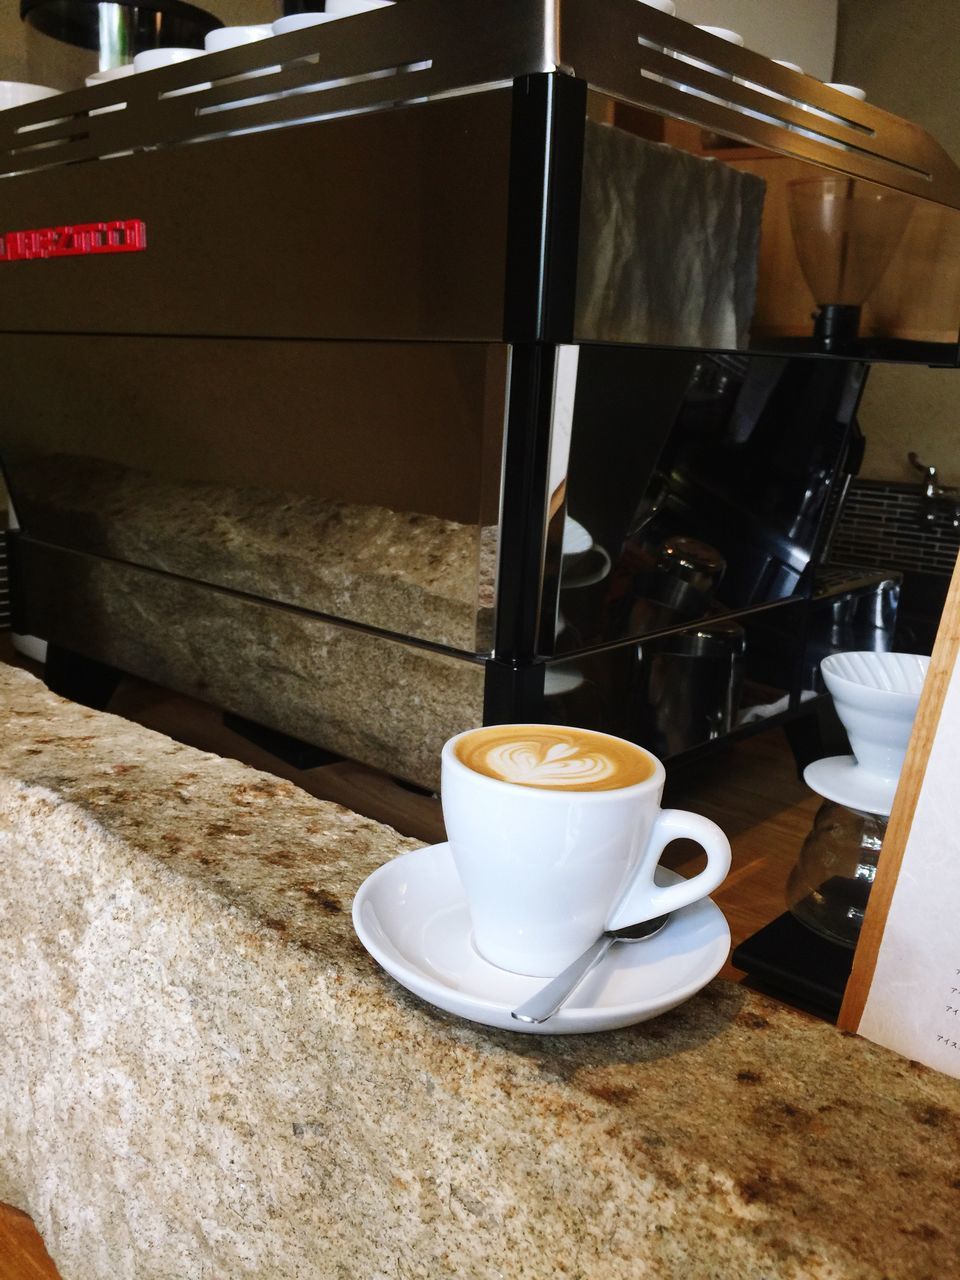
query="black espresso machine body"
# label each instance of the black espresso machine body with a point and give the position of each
(479, 360)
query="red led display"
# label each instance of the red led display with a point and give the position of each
(126, 236)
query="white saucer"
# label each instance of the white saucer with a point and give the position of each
(843, 780)
(411, 916)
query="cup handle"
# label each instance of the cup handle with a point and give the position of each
(643, 899)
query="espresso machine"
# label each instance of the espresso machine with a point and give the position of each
(464, 361)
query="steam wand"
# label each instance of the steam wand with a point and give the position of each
(938, 500)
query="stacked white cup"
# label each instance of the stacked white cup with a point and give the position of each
(335, 10)
(722, 33)
(16, 93)
(152, 59)
(234, 38)
(663, 6)
(107, 77)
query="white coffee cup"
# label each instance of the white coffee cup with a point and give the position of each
(851, 90)
(107, 77)
(347, 8)
(15, 93)
(722, 33)
(233, 37)
(546, 869)
(151, 59)
(110, 74)
(300, 22)
(335, 9)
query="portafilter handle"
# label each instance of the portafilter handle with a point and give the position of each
(693, 562)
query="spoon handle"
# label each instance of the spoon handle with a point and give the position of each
(549, 999)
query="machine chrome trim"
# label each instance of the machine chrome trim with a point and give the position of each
(428, 48)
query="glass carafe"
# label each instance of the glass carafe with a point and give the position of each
(829, 886)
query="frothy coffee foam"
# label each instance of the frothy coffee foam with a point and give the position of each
(556, 758)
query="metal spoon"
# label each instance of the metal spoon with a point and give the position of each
(549, 999)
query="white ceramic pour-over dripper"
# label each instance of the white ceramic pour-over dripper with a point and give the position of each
(876, 696)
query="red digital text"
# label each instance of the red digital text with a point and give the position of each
(128, 235)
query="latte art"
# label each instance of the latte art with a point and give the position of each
(554, 758)
(558, 766)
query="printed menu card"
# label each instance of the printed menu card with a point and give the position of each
(905, 988)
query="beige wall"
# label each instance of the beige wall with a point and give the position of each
(801, 31)
(907, 56)
(13, 63)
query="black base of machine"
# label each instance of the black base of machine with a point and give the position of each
(80, 679)
(789, 958)
(292, 751)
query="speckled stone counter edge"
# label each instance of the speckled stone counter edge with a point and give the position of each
(206, 1076)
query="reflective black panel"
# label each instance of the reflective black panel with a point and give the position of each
(697, 486)
(355, 480)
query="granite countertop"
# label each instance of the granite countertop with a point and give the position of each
(205, 1075)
